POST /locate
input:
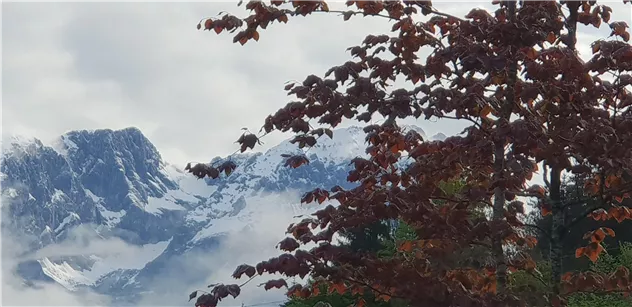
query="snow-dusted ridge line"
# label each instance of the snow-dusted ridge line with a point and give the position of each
(157, 193)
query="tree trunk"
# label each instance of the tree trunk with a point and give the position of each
(498, 215)
(557, 229)
(499, 168)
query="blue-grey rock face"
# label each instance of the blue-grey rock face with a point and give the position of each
(101, 185)
(88, 178)
(41, 190)
(122, 166)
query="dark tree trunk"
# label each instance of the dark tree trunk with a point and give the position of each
(499, 167)
(557, 229)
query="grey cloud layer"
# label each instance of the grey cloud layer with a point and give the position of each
(74, 66)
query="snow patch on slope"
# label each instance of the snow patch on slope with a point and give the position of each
(72, 217)
(72, 278)
(191, 190)
(159, 205)
(58, 196)
(63, 274)
(112, 218)
(63, 145)
(282, 206)
(346, 144)
(95, 199)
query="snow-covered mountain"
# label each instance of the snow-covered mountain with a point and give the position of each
(103, 189)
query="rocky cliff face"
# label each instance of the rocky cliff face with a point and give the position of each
(115, 179)
(114, 185)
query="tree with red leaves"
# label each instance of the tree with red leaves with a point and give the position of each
(530, 102)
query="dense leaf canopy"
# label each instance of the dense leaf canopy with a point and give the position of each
(532, 105)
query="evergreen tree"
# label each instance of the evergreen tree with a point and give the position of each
(576, 223)
(367, 239)
(608, 264)
(374, 238)
(386, 240)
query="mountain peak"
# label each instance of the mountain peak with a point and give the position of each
(133, 132)
(346, 143)
(109, 140)
(19, 141)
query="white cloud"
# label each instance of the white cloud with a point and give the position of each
(172, 284)
(83, 240)
(247, 247)
(112, 65)
(14, 289)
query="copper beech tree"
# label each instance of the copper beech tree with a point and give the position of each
(532, 105)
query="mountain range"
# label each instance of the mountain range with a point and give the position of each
(71, 203)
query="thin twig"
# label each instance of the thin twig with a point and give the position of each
(247, 281)
(537, 227)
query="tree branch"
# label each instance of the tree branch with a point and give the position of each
(539, 278)
(538, 228)
(247, 281)
(582, 216)
(545, 173)
(478, 125)
(434, 11)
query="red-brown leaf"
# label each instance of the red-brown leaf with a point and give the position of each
(288, 245)
(276, 283)
(244, 269)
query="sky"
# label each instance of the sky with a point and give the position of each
(69, 66)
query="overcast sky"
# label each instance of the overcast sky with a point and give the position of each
(69, 66)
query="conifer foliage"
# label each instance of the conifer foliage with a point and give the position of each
(532, 106)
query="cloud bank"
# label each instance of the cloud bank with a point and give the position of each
(113, 65)
(254, 244)
(16, 291)
(171, 286)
